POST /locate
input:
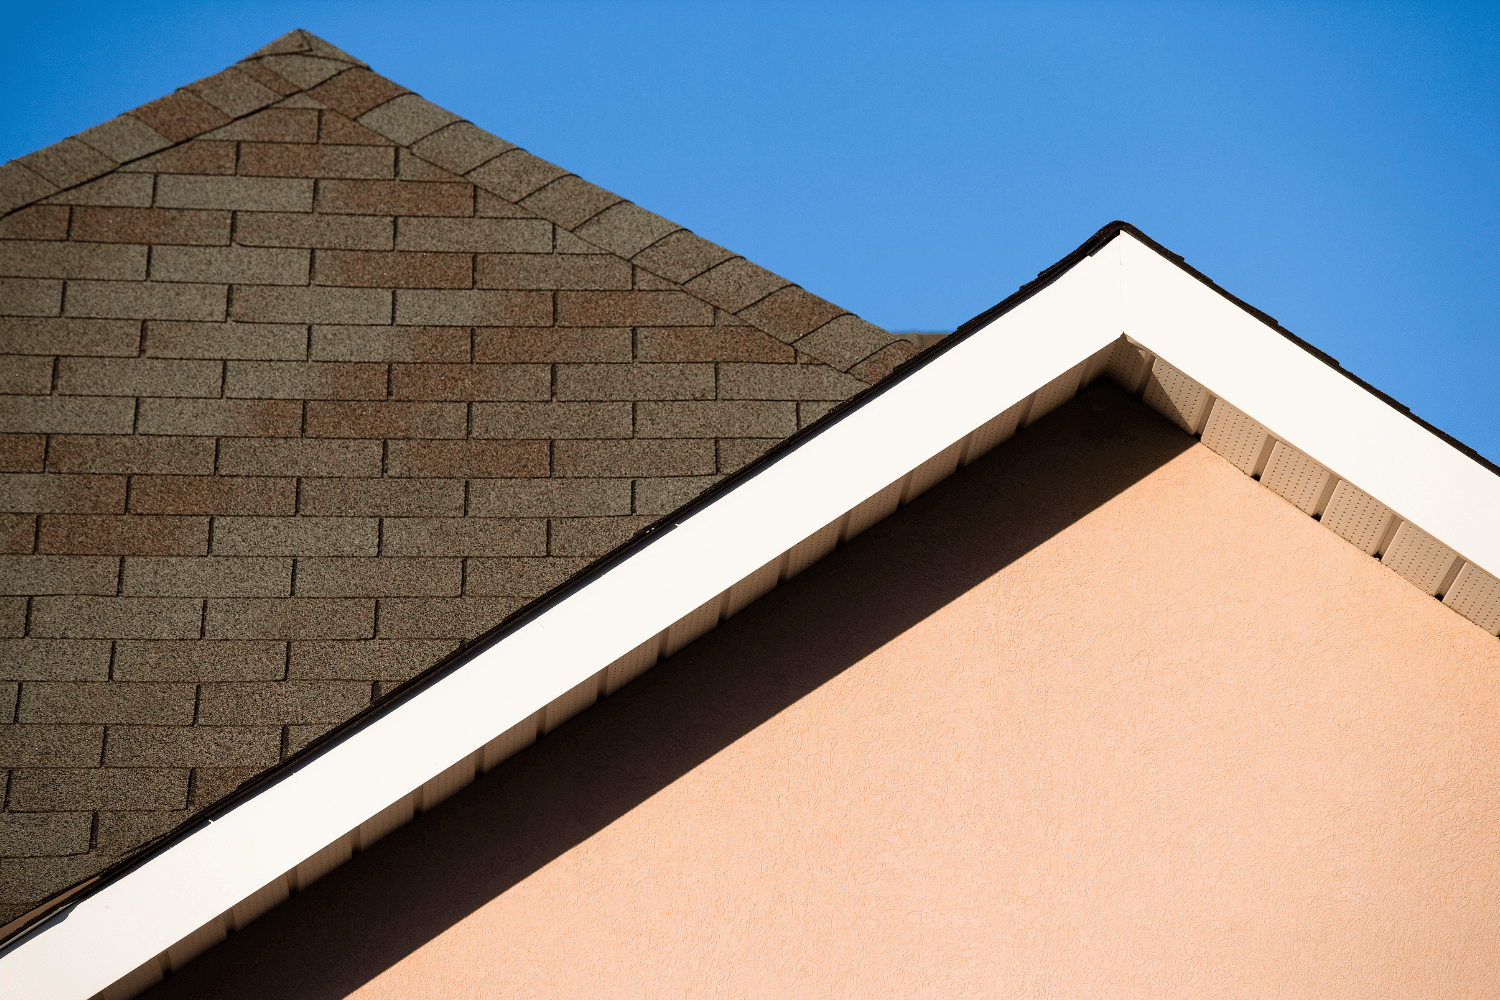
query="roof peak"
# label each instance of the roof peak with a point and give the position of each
(299, 62)
(299, 40)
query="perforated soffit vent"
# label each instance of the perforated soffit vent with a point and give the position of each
(1341, 506)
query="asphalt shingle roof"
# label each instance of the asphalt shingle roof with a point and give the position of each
(307, 381)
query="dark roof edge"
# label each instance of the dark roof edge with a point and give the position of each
(34, 920)
(1110, 231)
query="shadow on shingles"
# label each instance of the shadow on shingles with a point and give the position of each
(387, 902)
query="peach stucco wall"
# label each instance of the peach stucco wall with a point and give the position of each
(1098, 717)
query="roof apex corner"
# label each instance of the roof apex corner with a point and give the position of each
(300, 41)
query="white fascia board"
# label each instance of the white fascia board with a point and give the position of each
(1308, 404)
(128, 922)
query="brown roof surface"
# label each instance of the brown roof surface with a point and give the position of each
(307, 381)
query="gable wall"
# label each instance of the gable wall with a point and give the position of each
(1098, 716)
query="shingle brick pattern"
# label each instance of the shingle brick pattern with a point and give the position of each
(304, 383)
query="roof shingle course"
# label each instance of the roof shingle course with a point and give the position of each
(298, 40)
(111, 453)
(122, 534)
(115, 618)
(884, 361)
(39, 222)
(17, 531)
(460, 146)
(19, 186)
(212, 495)
(68, 162)
(462, 536)
(303, 71)
(180, 115)
(123, 139)
(44, 834)
(215, 576)
(75, 337)
(625, 229)
(54, 660)
(234, 92)
(406, 119)
(199, 660)
(119, 189)
(462, 618)
(290, 618)
(224, 341)
(355, 92)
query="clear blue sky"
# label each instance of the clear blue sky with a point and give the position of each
(1337, 165)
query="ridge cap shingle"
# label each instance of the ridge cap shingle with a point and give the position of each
(301, 41)
(851, 351)
(418, 123)
(129, 136)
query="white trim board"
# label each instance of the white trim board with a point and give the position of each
(1045, 340)
(1301, 400)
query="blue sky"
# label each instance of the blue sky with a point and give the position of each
(1337, 165)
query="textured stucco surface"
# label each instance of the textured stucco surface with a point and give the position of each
(1097, 717)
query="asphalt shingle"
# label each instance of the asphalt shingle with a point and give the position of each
(337, 382)
(76, 337)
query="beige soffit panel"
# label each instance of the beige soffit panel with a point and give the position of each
(137, 982)
(813, 547)
(933, 471)
(1177, 397)
(323, 862)
(634, 663)
(1419, 557)
(572, 701)
(1358, 518)
(1475, 594)
(1297, 479)
(394, 816)
(505, 746)
(876, 509)
(755, 586)
(197, 943)
(263, 899)
(1244, 442)
(450, 782)
(1128, 365)
(695, 624)
(996, 432)
(1055, 393)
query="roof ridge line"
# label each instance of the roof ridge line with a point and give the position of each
(108, 135)
(453, 159)
(123, 163)
(466, 152)
(109, 139)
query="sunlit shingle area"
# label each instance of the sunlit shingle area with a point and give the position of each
(305, 383)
